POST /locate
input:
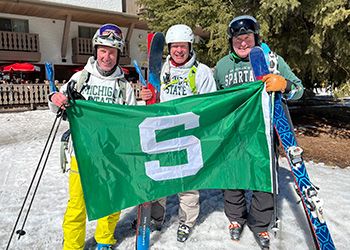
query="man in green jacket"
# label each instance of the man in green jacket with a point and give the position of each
(234, 69)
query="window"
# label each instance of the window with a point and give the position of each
(14, 25)
(87, 32)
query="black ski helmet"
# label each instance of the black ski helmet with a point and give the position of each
(243, 25)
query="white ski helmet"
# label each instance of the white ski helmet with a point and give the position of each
(179, 33)
(109, 35)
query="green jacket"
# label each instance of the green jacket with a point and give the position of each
(230, 71)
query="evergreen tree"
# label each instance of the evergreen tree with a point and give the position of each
(313, 36)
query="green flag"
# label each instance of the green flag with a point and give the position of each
(128, 155)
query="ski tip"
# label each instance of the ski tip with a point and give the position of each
(158, 39)
(265, 47)
(258, 62)
(158, 35)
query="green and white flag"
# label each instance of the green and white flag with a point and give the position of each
(128, 155)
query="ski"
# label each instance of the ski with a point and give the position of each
(312, 205)
(143, 229)
(155, 59)
(266, 49)
(155, 46)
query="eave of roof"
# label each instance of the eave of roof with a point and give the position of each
(78, 14)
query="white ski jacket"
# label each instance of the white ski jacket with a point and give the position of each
(178, 79)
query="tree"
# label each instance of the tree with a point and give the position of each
(313, 36)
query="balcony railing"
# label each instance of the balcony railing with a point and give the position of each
(16, 46)
(82, 50)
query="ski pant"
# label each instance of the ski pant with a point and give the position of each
(261, 209)
(188, 208)
(74, 222)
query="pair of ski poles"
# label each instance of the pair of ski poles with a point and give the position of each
(43, 158)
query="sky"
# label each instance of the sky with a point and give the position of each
(22, 139)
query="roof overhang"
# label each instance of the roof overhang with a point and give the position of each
(78, 14)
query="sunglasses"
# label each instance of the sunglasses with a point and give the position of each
(111, 31)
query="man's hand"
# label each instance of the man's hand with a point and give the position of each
(274, 83)
(146, 94)
(60, 100)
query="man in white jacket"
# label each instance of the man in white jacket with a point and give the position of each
(101, 80)
(181, 76)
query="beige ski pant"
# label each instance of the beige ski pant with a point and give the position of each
(188, 207)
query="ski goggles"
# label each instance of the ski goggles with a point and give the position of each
(111, 31)
(241, 27)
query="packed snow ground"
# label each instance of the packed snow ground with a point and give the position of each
(22, 139)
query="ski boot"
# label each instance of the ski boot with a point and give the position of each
(156, 225)
(263, 239)
(101, 246)
(235, 230)
(183, 232)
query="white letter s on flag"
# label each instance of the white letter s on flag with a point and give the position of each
(190, 143)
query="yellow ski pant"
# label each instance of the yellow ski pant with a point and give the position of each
(74, 222)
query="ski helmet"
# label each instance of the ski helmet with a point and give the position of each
(243, 25)
(109, 35)
(179, 33)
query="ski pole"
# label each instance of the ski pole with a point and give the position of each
(21, 231)
(275, 220)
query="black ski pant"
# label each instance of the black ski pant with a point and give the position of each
(260, 213)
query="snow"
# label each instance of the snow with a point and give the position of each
(22, 139)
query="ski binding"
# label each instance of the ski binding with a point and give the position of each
(295, 156)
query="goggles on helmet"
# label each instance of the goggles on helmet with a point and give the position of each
(111, 31)
(243, 26)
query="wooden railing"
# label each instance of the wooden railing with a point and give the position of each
(23, 96)
(137, 90)
(17, 46)
(82, 46)
(15, 97)
(19, 41)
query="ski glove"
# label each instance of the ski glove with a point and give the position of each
(275, 82)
